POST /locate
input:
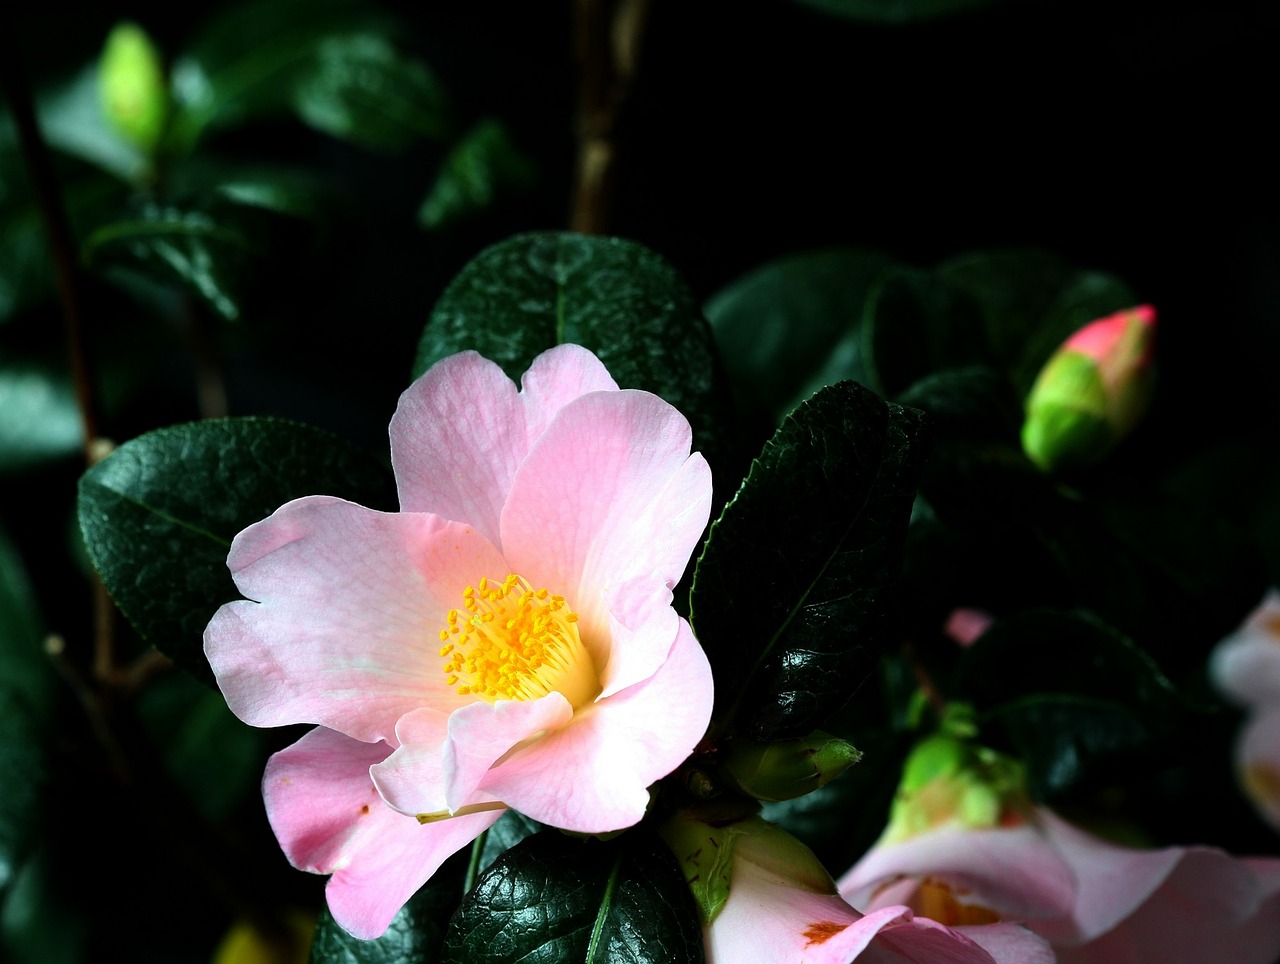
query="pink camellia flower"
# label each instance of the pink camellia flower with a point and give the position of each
(1097, 903)
(506, 640)
(782, 908)
(1246, 666)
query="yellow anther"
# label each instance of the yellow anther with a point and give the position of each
(517, 642)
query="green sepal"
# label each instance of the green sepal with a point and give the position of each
(786, 769)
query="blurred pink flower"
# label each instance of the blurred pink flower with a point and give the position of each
(1246, 666)
(1097, 903)
(506, 640)
(783, 908)
(966, 625)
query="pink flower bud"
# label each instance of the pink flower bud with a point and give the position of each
(1092, 391)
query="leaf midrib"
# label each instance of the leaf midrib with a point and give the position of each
(213, 537)
(804, 596)
(606, 903)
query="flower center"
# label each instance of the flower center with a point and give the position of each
(941, 901)
(510, 641)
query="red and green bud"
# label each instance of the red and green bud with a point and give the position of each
(1092, 391)
(133, 86)
(789, 768)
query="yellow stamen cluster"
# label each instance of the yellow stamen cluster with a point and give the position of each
(510, 641)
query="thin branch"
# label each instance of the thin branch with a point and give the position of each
(62, 248)
(608, 35)
(924, 680)
(62, 251)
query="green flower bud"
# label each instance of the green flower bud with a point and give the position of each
(948, 781)
(703, 839)
(1091, 392)
(707, 839)
(789, 768)
(133, 87)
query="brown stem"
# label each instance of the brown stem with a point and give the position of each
(927, 686)
(607, 40)
(199, 334)
(117, 760)
(62, 248)
(62, 251)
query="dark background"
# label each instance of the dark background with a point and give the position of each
(1129, 137)
(1136, 138)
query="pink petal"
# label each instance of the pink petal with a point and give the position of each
(1259, 935)
(556, 378)
(1014, 871)
(350, 602)
(329, 819)
(1246, 665)
(608, 493)
(1258, 762)
(411, 780)
(918, 940)
(1113, 881)
(1010, 943)
(457, 438)
(481, 734)
(767, 920)
(591, 775)
(642, 628)
(1210, 907)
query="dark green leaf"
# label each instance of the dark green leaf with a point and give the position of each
(214, 757)
(1088, 296)
(26, 275)
(290, 191)
(898, 11)
(1030, 302)
(1073, 696)
(159, 514)
(207, 252)
(1016, 290)
(39, 420)
(552, 898)
(916, 323)
(414, 936)
(792, 326)
(480, 168)
(333, 62)
(977, 472)
(72, 120)
(511, 828)
(792, 596)
(529, 293)
(358, 87)
(840, 822)
(25, 694)
(1177, 574)
(38, 923)
(24, 667)
(22, 772)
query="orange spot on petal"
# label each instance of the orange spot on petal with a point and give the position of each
(822, 931)
(365, 808)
